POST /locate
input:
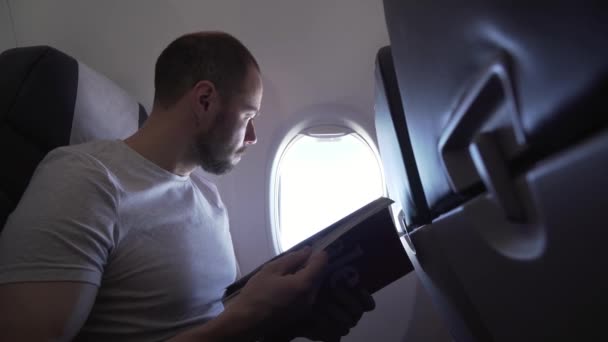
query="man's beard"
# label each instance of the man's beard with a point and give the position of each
(214, 152)
(213, 156)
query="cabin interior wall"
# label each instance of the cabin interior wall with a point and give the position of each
(7, 34)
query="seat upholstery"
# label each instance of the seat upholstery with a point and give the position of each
(50, 99)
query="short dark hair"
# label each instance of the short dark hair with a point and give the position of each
(214, 56)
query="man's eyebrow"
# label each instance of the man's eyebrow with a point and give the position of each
(253, 108)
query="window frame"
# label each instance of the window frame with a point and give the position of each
(310, 128)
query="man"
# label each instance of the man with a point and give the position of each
(120, 241)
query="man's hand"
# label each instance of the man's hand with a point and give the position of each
(280, 303)
(283, 290)
(333, 319)
(330, 319)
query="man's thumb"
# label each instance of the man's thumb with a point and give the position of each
(315, 267)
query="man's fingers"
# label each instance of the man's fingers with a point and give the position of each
(290, 262)
(314, 268)
(325, 328)
(355, 301)
(340, 318)
(350, 301)
(366, 300)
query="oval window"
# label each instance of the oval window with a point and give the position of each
(322, 175)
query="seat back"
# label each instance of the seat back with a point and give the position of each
(551, 60)
(50, 99)
(504, 105)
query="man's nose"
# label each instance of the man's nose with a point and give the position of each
(250, 137)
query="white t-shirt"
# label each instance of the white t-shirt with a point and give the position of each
(156, 244)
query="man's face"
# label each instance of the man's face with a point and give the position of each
(221, 147)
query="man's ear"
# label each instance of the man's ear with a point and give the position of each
(203, 102)
(206, 94)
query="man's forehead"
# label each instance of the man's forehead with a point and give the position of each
(249, 98)
(253, 99)
(251, 91)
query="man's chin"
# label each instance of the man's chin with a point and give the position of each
(218, 167)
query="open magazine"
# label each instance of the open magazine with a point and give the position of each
(364, 249)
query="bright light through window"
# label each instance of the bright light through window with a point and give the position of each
(320, 180)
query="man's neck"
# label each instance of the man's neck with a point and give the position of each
(163, 142)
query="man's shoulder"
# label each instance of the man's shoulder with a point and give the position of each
(90, 148)
(81, 160)
(89, 151)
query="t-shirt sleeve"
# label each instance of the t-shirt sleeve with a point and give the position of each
(64, 227)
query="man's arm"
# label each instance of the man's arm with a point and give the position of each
(56, 311)
(44, 311)
(53, 249)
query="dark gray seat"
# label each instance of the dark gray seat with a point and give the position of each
(504, 106)
(49, 99)
(555, 57)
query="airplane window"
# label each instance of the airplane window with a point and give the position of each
(320, 178)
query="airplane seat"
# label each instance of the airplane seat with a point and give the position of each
(50, 99)
(505, 105)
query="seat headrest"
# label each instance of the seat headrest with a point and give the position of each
(102, 109)
(57, 100)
